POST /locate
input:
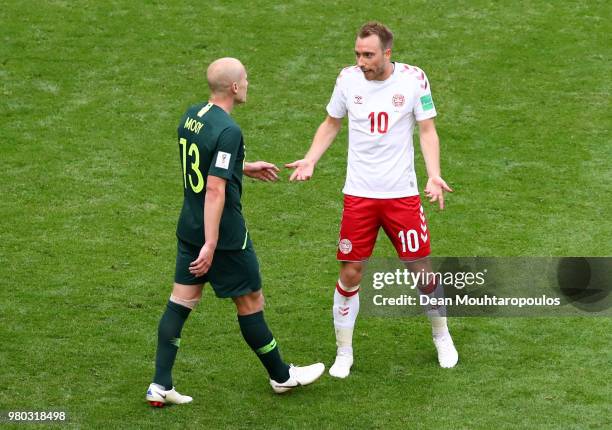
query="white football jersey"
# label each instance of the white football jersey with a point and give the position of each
(381, 116)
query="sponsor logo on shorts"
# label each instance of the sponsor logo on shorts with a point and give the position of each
(345, 246)
(398, 100)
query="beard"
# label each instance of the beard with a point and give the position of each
(372, 74)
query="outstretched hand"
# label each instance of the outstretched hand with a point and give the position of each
(303, 170)
(435, 190)
(261, 170)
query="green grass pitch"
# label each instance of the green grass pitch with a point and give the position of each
(90, 189)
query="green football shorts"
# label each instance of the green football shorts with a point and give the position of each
(232, 273)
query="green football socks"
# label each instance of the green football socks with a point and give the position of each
(168, 341)
(257, 335)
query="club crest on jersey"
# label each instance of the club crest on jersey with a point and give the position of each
(398, 100)
(358, 100)
(345, 246)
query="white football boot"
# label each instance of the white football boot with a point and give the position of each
(447, 354)
(158, 397)
(342, 366)
(298, 375)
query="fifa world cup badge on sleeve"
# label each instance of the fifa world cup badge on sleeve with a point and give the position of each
(223, 160)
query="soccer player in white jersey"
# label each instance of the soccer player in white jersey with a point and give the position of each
(383, 101)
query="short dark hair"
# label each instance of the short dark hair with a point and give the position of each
(376, 28)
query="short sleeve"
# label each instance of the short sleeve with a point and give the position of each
(226, 153)
(424, 106)
(337, 105)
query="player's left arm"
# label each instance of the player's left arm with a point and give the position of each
(261, 170)
(430, 146)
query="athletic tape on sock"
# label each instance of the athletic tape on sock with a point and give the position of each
(344, 338)
(191, 304)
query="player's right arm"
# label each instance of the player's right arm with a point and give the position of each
(214, 201)
(325, 135)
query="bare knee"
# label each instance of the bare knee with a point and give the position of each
(250, 303)
(420, 265)
(426, 283)
(351, 273)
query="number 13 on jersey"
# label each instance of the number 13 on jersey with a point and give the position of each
(195, 165)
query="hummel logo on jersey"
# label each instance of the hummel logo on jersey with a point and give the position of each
(358, 100)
